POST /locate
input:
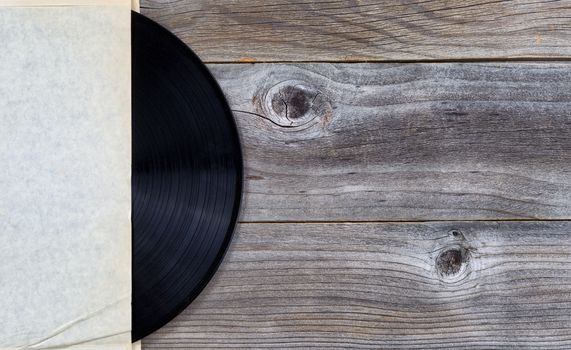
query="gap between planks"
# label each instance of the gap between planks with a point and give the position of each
(423, 61)
(358, 222)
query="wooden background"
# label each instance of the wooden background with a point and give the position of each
(408, 174)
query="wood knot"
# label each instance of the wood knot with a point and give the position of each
(295, 103)
(457, 235)
(452, 262)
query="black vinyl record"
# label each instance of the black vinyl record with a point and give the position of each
(187, 176)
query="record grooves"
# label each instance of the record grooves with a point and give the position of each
(187, 176)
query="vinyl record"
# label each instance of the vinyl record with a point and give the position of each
(187, 176)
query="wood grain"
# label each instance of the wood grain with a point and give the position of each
(367, 30)
(463, 285)
(329, 145)
(384, 142)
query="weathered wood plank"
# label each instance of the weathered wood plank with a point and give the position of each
(344, 30)
(370, 142)
(468, 285)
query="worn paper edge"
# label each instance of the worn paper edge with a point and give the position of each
(134, 346)
(135, 6)
(40, 3)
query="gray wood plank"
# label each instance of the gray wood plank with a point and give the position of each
(463, 285)
(343, 30)
(383, 142)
